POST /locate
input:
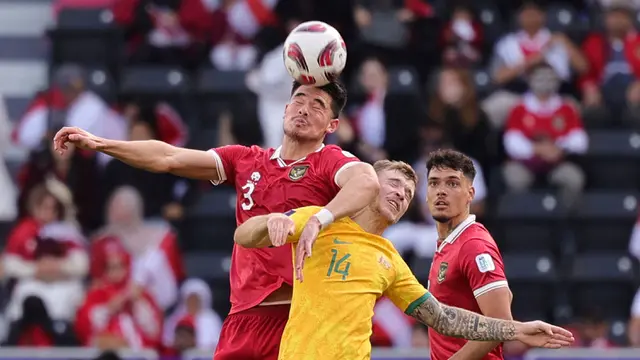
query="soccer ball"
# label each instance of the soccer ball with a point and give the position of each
(314, 53)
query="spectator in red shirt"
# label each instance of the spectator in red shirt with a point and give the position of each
(169, 32)
(115, 314)
(49, 205)
(541, 132)
(461, 38)
(157, 264)
(614, 66)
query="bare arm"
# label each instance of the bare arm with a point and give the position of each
(496, 304)
(253, 233)
(359, 186)
(456, 322)
(150, 155)
(158, 156)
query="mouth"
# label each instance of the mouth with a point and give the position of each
(394, 205)
(299, 121)
(440, 204)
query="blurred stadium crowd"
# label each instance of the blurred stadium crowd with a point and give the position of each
(544, 95)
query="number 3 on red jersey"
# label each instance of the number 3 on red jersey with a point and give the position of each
(247, 190)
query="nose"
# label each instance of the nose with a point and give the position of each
(303, 110)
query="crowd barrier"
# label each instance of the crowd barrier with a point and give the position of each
(7, 353)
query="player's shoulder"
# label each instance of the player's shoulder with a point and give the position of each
(477, 238)
(240, 150)
(335, 151)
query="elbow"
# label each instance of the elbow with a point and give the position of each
(368, 183)
(242, 239)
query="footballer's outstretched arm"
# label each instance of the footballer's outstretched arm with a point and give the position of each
(456, 322)
(151, 155)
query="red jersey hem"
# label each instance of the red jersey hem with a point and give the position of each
(246, 306)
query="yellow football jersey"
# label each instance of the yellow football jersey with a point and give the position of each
(332, 308)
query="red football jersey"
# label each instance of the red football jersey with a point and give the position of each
(265, 183)
(466, 265)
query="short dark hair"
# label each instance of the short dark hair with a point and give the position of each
(336, 90)
(451, 159)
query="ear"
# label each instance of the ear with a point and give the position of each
(472, 194)
(333, 126)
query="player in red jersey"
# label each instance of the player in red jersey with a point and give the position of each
(467, 269)
(301, 172)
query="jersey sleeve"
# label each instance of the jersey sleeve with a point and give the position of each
(300, 217)
(482, 264)
(335, 160)
(226, 158)
(405, 291)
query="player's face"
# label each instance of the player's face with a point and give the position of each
(449, 193)
(396, 192)
(308, 116)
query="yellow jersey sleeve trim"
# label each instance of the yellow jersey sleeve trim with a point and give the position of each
(419, 301)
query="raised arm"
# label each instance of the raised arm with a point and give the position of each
(456, 322)
(151, 155)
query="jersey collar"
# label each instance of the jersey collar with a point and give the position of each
(282, 163)
(455, 234)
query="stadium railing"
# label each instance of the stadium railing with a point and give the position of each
(76, 353)
(583, 354)
(15, 353)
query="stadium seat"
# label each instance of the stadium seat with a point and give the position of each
(86, 19)
(212, 81)
(87, 36)
(565, 19)
(212, 267)
(492, 23)
(5, 229)
(100, 81)
(404, 80)
(207, 265)
(613, 160)
(227, 91)
(528, 222)
(603, 221)
(209, 224)
(604, 281)
(421, 267)
(618, 332)
(155, 81)
(482, 81)
(531, 279)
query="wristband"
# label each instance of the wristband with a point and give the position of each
(325, 217)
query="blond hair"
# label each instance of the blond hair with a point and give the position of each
(401, 166)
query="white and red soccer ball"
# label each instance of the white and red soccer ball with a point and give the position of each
(314, 53)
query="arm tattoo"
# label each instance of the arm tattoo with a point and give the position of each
(456, 322)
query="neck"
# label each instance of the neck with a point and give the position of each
(62, 167)
(532, 32)
(543, 97)
(445, 228)
(293, 149)
(371, 222)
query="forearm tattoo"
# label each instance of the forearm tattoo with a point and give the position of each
(456, 322)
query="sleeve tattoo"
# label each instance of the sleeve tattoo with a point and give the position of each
(456, 322)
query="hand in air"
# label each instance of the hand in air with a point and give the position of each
(305, 243)
(541, 334)
(76, 136)
(280, 226)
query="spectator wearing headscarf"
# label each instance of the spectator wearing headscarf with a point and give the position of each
(195, 309)
(152, 246)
